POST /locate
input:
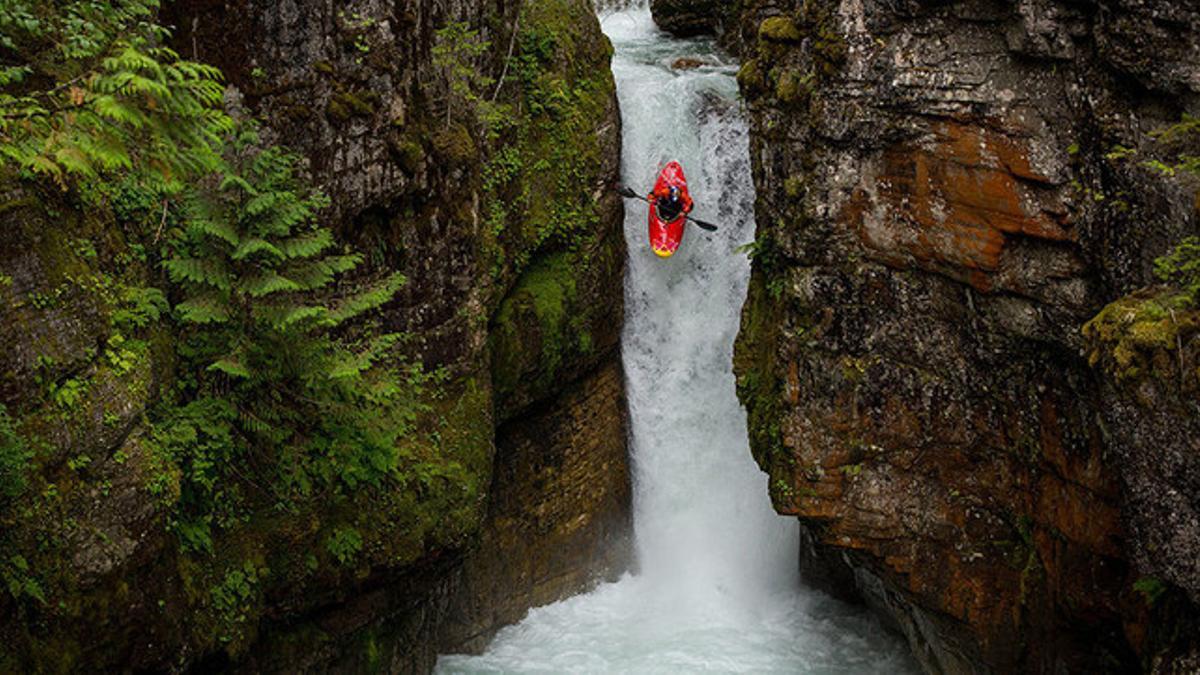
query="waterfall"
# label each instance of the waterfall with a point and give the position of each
(717, 588)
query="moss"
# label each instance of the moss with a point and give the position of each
(793, 87)
(793, 186)
(454, 143)
(750, 76)
(759, 388)
(1140, 335)
(542, 142)
(346, 104)
(409, 152)
(779, 29)
(438, 505)
(535, 329)
(819, 22)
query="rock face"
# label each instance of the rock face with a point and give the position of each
(1146, 346)
(940, 211)
(685, 18)
(513, 295)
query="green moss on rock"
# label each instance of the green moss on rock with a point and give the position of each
(535, 329)
(750, 76)
(754, 363)
(779, 29)
(793, 86)
(1141, 335)
(346, 104)
(454, 143)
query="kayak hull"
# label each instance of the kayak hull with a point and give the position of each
(666, 236)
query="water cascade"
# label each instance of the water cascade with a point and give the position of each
(717, 588)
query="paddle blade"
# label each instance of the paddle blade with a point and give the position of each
(703, 225)
(625, 192)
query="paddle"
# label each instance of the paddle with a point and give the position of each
(626, 192)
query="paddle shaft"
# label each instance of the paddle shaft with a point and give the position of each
(626, 192)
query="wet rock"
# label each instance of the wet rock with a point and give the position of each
(686, 63)
(558, 519)
(685, 18)
(938, 218)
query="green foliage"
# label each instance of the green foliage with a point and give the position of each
(87, 88)
(344, 544)
(14, 458)
(1151, 589)
(274, 405)
(235, 597)
(764, 252)
(456, 52)
(139, 307)
(1186, 133)
(543, 146)
(1182, 265)
(18, 578)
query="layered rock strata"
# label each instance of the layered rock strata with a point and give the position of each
(946, 195)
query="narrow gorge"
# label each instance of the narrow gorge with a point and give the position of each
(330, 346)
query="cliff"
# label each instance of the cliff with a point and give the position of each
(947, 194)
(512, 247)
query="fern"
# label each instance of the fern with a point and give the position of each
(258, 279)
(86, 88)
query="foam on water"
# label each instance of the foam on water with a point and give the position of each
(717, 588)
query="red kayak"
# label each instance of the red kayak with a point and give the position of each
(665, 236)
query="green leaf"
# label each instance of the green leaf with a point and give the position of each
(203, 309)
(249, 247)
(230, 365)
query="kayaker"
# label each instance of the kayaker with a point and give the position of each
(670, 201)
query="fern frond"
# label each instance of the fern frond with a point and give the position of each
(286, 317)
(307, 245)
(254, 245)
(266, 283)
(204, 309)
(208, 272)
(367, 300)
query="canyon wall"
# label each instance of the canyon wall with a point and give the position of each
(511, 242)
(947, 193)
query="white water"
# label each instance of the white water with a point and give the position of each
(717, 589)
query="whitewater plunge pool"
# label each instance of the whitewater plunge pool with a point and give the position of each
(718, 590)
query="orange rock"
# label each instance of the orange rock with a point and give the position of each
(947, 203)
